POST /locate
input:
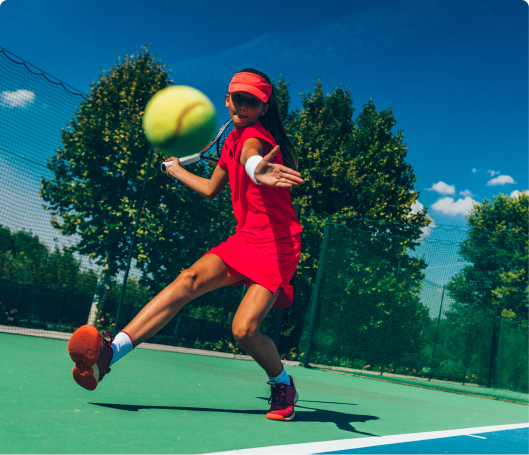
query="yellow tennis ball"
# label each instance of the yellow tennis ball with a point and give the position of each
(179, 120)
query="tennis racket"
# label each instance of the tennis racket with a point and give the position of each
(218, 142)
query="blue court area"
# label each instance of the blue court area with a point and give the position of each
(506, 439)
(515, 441)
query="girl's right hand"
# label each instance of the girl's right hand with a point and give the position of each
(174, 167)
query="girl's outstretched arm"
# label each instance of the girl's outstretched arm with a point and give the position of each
(209, 188)
(266, 172)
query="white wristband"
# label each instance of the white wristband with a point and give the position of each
(251, 164)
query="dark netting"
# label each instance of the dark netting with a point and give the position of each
(54, 281)
(374, 299)
(41, 286)
(380, 310)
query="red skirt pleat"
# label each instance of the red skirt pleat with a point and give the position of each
(270, 264)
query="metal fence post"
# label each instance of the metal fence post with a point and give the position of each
(493, 343)
(314, 301)
(389, 322)
(468, 344)
(498, 354)
(131, 249)
(436, 333)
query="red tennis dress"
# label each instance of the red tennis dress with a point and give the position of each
(267, 242)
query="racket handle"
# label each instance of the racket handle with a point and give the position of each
(165, 165)
(184, 161)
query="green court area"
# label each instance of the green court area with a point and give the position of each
(166, 402)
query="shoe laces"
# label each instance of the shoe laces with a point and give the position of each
(108, 344)
(108, 335)
(279, 394)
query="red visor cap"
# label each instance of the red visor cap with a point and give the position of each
(251, 83)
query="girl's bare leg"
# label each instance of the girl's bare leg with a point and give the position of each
(246, 328)
(205, 275)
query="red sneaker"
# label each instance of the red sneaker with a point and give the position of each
(282, 401)
(92, 355)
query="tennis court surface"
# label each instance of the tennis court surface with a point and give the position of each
(166, 402)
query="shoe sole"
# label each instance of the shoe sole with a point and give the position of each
(282, 418)
(83, 348)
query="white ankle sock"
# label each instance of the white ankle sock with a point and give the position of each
(121, 346)
(283, 378)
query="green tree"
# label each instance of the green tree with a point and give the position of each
(21, 257)
(24, 259)
(356, 174)
(100, 168)
(352, 166)
(283, 101)
(366, 309)
(98, 177)
(490, 294)
(496, 249)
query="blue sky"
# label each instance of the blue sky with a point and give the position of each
(455, 73)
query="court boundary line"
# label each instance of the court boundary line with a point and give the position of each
(311, 448)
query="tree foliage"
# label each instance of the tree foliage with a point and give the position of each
(100, 168)
(497, 252)
(99, 174)
(366, 309)
(486, 328)
(57, 276)
(356, 174)
(352, 167)
(26, 260)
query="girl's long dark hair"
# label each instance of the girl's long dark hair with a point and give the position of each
(271, 122)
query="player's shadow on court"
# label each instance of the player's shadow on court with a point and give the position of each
(342, 420)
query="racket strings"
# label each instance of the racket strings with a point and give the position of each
(222, 139)
(210, 156)
(223, 134)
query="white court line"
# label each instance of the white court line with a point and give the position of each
(474, 436)
(357, 443)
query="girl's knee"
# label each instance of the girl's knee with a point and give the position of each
(189, 278)
(243, 331)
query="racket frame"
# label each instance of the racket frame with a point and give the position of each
(186, 160)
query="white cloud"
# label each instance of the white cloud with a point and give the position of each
(466, 193)
(493, 173)
(501, 180)
(443, 188)
(517, 193)
(416, 207)
(427, 230)
(448, 206)
(18, 98)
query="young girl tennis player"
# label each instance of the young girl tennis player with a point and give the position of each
(262, 254)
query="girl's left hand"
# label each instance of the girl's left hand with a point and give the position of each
(272, 174)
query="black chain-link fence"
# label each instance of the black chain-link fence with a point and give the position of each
(406, 317)
(371, 299)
